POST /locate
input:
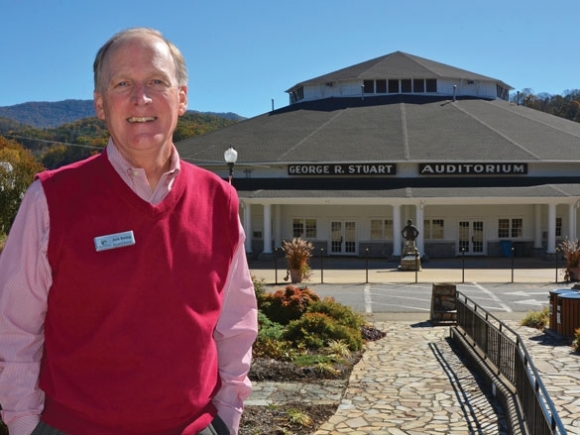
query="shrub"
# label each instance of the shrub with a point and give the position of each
(341, 313)
(571, 252)
(269, 329)
(576, 341)
(269, 343)
(338, 348)
(259, 288)
(537, 319)
(315, 330)
(267, 347)
(297, 417)
(286, 305)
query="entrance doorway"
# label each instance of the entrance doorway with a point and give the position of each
(471, 238)
(342, 237)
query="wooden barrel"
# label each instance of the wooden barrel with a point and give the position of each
(554, 306)
(570, 313)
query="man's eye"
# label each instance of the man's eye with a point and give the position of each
(156, 82)
(121, 84)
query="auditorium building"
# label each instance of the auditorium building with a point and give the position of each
(360, 151)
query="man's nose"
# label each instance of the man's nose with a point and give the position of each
(140, 94)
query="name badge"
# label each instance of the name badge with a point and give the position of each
(114, 241)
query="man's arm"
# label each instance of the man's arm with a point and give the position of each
(25, 278)
(235, 333)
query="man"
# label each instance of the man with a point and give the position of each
(126, 304)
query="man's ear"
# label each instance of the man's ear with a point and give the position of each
(182, 100)
(98, 102)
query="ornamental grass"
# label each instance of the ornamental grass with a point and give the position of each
(297, 252)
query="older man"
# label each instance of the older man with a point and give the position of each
(126, 304)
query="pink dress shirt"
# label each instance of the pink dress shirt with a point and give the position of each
(25, 280)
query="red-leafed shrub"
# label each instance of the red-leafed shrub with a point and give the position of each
(288, 304)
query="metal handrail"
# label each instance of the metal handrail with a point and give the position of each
(506, 350)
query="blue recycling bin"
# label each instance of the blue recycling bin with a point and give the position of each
(506, 248)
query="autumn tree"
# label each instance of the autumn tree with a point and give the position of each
(17, 170)
(565, 106)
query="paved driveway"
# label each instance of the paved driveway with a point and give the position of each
(416, 298)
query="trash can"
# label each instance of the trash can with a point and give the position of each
(554, 294)
(506, 248)
(570, 313)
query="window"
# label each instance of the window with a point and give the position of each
(434, 229)
(381, 86)
(305, 228)
(297, 95)
(558, 227)
(431, 85)
(369, 86)
(381, 229)
(408, 86)
(502, 92)
(510, 228)
(418, 85)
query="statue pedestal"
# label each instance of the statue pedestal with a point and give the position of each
(410, 262)
(411, 258)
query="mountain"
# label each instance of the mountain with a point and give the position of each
(78, 139)
(44, 114)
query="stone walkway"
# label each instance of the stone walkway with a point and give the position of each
(559, 368)
(413, 383)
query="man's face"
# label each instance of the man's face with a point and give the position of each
(139, 97)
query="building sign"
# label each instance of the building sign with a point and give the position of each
(473, 168)
(343, 169)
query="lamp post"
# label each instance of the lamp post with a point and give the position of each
(230, 156)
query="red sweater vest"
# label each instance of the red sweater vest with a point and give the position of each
(128, 331)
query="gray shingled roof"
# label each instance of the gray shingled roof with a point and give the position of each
(397, 65)
(404, 128)
(401, 128)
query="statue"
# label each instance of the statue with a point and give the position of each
(410, 232)
(411, 258)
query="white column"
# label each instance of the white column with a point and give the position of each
(397, 230)
(278, 226)
(551, 247)
(572, 222)
(267, 229)
(420, 242)
(248, 227)
(538, 227)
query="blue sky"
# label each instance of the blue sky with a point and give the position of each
(241, 55)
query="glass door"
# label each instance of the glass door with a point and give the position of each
(471, 238)
(342, 237)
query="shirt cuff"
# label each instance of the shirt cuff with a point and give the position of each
(23, 425)
(230, 416)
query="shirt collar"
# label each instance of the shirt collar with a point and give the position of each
(122, 166)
